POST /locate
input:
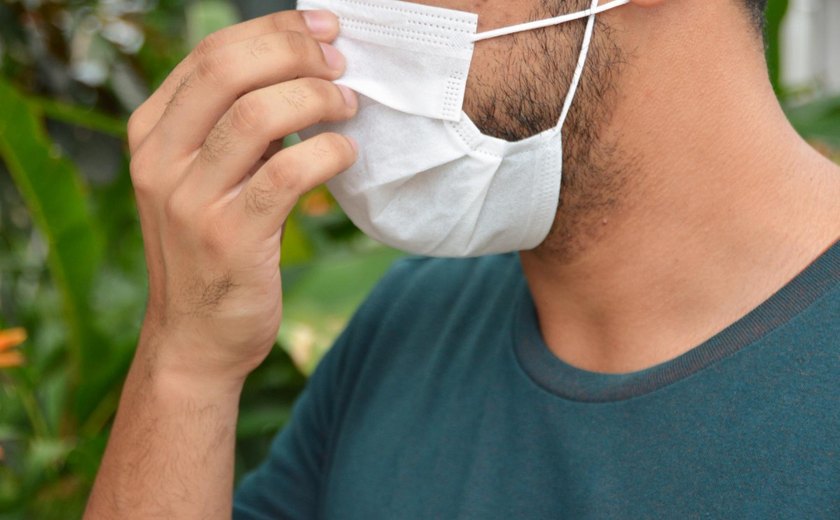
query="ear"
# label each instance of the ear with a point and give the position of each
(647, 3)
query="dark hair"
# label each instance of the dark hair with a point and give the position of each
(756, 9)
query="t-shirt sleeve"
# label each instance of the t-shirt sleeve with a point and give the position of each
(287, 484)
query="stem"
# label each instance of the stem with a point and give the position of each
(33, 412)
(79, 116)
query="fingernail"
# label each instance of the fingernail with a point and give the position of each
(349, 96)
(352, 142)
(320, 22)
(334, 58)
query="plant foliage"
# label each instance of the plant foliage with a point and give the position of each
(72, 267)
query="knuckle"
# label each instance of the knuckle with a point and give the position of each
(247, 113)
(219, 142)
(282, 178)
(319, 87)
(212, 68)
(176, 210)
(296, 96)
(259, 46)
(332, 145)
(331, 99)
(259, 200)
(285, 20)
(181, 89)
(135, 125)
(207, 45)
(139, 169)
(299, 44)
(312, 92)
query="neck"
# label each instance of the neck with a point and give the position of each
(721, 206)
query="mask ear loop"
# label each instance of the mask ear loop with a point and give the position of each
(584, 54)
(548, 22)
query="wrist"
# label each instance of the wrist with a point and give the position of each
(174, 359)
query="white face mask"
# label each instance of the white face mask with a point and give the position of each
(427, 181)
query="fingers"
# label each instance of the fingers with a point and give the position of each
(267, 199)
(222, 77)
(320, 25)
(246, 131)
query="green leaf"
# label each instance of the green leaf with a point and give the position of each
(775, 13)
(297, 248)
(262, 421)
(316, 308)
(208, 16)
(818, 120)
(55, 196)
(47, 454)
(80, 116)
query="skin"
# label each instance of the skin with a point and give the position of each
(695, 202)
(687, 197)
(213, 190)
(687, 200)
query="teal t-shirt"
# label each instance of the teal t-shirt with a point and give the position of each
(441, 401)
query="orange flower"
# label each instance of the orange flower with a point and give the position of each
(9, 339)
(316, 204)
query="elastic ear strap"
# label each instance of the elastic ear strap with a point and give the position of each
(548, 22)
(584, 53)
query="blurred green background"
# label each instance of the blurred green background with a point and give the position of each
(72, 270)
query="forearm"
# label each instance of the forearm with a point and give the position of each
(212, 231)
(171, 451)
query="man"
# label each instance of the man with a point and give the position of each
(669, 350)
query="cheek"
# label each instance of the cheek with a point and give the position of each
(491, 69)
(491, 72)
(517, 86)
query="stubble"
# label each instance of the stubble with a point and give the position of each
(518, 91)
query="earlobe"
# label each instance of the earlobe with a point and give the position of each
(647, 3)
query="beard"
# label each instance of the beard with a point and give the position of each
(517, 89)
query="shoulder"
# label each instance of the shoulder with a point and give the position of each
(430, 286)
(423, 277)
(418, 300)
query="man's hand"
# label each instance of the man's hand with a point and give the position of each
(214, 188)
